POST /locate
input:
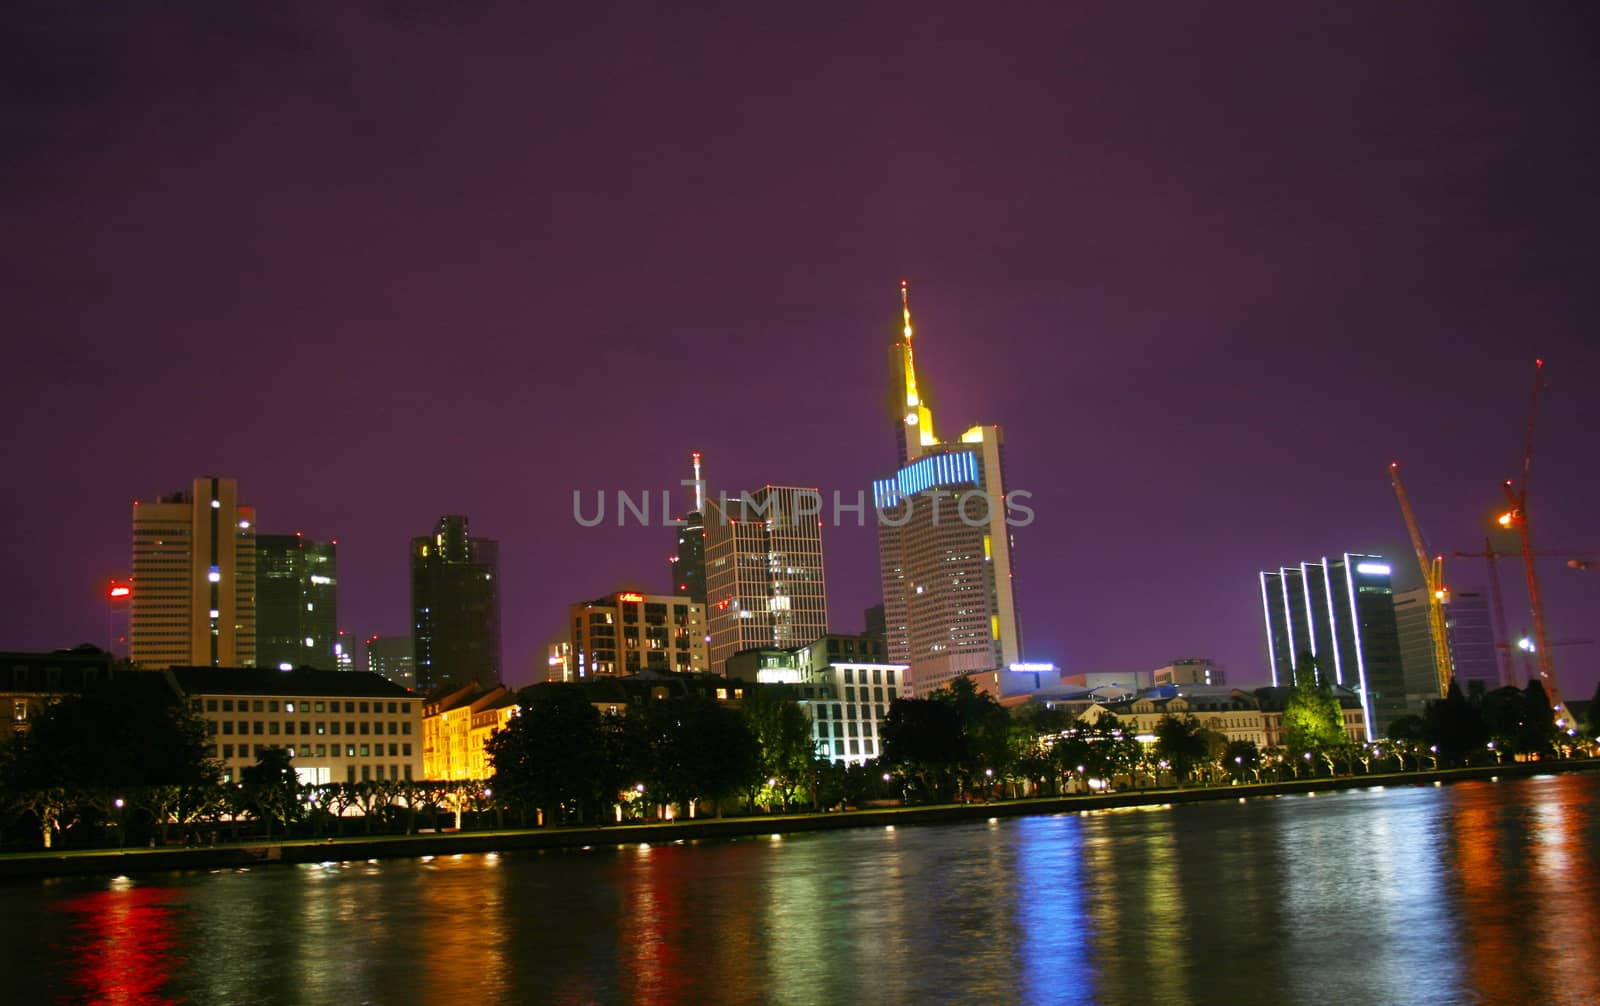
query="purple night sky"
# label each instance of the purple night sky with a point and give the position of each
(1211, 269)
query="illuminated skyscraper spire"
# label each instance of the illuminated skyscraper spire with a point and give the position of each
(911, 411)
(699, 485)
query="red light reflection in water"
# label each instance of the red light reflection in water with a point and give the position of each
(1527, 882)
(656, 922)
(122, 941)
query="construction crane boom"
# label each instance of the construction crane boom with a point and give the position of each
(1517, 517)
(1433, 577)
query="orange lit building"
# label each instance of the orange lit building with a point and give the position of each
(629, 632)
(456, 728)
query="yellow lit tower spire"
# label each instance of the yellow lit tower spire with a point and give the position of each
(917, 419)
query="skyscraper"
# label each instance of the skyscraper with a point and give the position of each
(194, 579)
(944, 544)
(391, 657)
(455, 607)
(1473, 654)
(297, 583)
(1339, 615)
(764, 575)
(1469, 632)
(689, 561)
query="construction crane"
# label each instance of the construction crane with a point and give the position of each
(1517, 517)
(1433, 578)
(1584, 560)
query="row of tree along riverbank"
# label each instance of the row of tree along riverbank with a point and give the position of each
(243, 856)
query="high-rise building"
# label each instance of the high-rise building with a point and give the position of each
(194, 579)
(1474, 662)
(689, 561)
(628, 632)
(1415, 638)
(1338, 615)
(944, 543)
(874, 621)
(297, 583)
(455, 607)
(1474, 655)
(392, 658)
(764, 575)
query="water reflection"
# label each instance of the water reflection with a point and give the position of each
(124, 945)
(1472, 893)
(1048, 889)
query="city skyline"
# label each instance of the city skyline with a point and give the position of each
(1219, 304)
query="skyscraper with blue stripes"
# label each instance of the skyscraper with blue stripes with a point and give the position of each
(944, 543)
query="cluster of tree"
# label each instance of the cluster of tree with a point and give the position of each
(129, 764)
(561, 758)
(1487, 726)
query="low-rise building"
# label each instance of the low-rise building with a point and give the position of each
(844, 685)
(29, 682)
(337, 726)
(1254, 716)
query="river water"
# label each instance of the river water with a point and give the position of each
(1481, 892)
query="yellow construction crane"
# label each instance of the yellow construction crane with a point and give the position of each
(1433, 577)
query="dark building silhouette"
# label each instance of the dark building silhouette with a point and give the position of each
(455, 607)
(297, 583)
(689, 561)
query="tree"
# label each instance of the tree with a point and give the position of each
(1455, 727)
(1594, 714)
(923, 739)
(697, 748)
(984, 749)
(1242, 758)
(83, 753)
(552, 755)
(784, 734)
(272, 788)
(1312, 720)
(1182, 744)
(1539, 733)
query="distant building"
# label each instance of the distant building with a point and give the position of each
(392, 658)
(1018, 684)
(689, 561)
(194, 579)
(1190, 671)
(455, 607)
(560, 664)
(1134, 680)
(876, 626)
(764, 573)
(29, 682)
(1338, 615)
(344, 652)
(629, 632)
(1469, 633)
(1415, 639)
(1255, 715)
(944, 543)
(337, 727)
(1474, 653)
(297, 583)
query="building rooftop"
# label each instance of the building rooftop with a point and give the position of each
(301, 681)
